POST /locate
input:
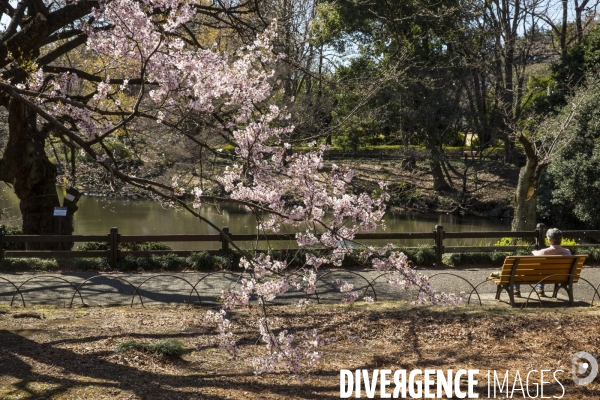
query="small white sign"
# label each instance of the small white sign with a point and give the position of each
(60, 211)
(70, 197)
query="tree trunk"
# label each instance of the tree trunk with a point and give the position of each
(526, 196)
(34, 179)
(563, 29)
(439, 181)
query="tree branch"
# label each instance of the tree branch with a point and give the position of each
(62, 35)
(63, 49)
(90, 77)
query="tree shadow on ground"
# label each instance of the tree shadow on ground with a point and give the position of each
(109, 378)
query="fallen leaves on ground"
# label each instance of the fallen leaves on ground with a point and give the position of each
(70, 353)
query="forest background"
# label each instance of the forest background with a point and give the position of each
(514, 83)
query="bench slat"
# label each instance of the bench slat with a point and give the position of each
(558, 270)
(542, 266)
(530, 261)
(530, 281)
(532, 269)
(544, 257)
(543, 261)
(544, 272)
(546, 268)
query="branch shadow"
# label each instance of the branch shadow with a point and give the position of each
(110, 377)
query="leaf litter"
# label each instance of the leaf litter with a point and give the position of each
(71, 353)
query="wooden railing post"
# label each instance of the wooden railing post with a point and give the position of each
(438, 236)
(224, 241)
(541, 235)
(113, 247)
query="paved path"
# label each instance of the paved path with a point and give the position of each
(155, 288)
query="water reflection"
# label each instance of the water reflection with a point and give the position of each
(97, 215)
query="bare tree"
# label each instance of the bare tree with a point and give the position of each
(541, 143)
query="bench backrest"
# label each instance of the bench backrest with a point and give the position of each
(532, 269)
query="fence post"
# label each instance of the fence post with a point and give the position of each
(541, 235)
(224, 242)
(113, 247)
(438, 237)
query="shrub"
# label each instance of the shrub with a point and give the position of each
(147, 263)
(162, 348)
(202, 261)
(564, 242)
(455, 139)
(38, 264)
(93, 246)
(294, 257)
(168, 262)
(497, 258)
(492, 258)
(78, 263)
(592, 252)
(128, 263)
(231, 260)
(103, 264)
(423, 255)
(506, 241)
(223, 262)
(134, 246)
(11, 230)
(144, 246)
(351, 261)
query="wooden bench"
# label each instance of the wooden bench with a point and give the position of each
(476, 155)
(562, 271)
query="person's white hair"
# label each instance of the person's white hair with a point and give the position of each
(555, 235)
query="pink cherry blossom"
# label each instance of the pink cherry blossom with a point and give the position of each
(265, 172)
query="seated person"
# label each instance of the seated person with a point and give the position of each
(555, 249)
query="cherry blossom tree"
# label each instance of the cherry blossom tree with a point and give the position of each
(149, 56)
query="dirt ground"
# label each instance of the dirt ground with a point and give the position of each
(70, 353)
(492, 185)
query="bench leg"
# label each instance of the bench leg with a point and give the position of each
(511, 295)
(570, 291)
(556, 289)
(498, 292)
(509, 290)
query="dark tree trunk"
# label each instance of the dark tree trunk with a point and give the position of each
(526, 196)
(34, 179)
(439, 181)
(509, 146)
(563, 29)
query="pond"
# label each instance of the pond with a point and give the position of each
(97, 215)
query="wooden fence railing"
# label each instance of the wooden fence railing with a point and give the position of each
(113, 253)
